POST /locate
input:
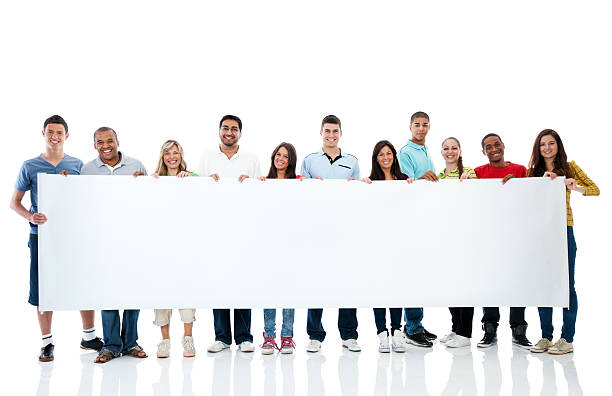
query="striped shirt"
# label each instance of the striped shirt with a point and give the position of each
(455, 174)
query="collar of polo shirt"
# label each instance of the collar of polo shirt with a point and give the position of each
(331, 161)
(122, 161)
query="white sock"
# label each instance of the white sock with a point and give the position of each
(47, 339)
(89, 334)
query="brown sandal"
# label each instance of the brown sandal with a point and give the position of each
(136, 352)
(104, 356)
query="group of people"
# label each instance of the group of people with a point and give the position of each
(229, 160)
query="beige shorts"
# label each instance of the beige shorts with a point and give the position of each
(162, 316)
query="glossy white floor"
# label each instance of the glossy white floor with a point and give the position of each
(437, 371)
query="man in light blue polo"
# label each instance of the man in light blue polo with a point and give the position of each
(120, 336)
(331, 163)
(415, 162)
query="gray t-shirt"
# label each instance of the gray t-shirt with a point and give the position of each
(126, 166)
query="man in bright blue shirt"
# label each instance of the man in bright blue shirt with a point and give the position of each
(331, 163)
(52, 161)
(414, 158)
(415, 162)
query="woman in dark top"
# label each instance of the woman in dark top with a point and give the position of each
(385, 166)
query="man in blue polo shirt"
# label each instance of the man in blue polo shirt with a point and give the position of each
(52, 161)
(331, 163)
(415, 162)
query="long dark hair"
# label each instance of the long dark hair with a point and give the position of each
(377, 172)
(537, 165)
(290, 172)
(459, 159)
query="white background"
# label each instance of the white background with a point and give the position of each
(155, 70)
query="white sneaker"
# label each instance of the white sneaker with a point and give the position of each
(269, 346)
(313, 346)
(218, 346)
(398, 343)
(447, 337)
(458, 342)
(287, 345)
(352, 345)
(188, 347)
(383, 345)
(246, 346)
(163, 349)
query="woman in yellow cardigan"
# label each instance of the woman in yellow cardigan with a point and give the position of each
(548, 159)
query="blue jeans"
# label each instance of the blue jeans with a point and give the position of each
(413, 318)
(270, 322)
(223, 326)
(569, 314)
(347, 324)
(115, 341)
(380, 318)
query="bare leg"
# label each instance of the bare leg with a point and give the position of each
(44, 321)
(188, 329)
(88, 319)
(165, 330)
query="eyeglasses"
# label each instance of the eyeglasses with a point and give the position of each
(225, 128)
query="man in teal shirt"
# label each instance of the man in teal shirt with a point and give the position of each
(414, 158)
(416, 163)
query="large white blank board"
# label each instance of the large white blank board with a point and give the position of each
(123, 242)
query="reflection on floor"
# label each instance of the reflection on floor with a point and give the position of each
(420, 371)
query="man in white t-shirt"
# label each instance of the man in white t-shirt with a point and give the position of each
(230, 161)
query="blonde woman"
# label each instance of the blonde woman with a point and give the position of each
(171, 163)
(462, 317)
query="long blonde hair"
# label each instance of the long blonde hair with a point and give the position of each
(162, 169)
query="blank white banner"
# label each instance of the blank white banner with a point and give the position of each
(119, 242)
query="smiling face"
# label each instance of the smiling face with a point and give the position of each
(451, 151)
(106, 143)
(494, 149)
(548, 147)
(419, 129)
(229, 133)
(55, 135)
(172, 158)
(331, 134)
(385, 158)
(281, 159)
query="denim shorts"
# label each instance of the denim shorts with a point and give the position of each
(33, 245)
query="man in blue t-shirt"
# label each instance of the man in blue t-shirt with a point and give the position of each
(331, 163)
(52, 161)
(415, 162)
